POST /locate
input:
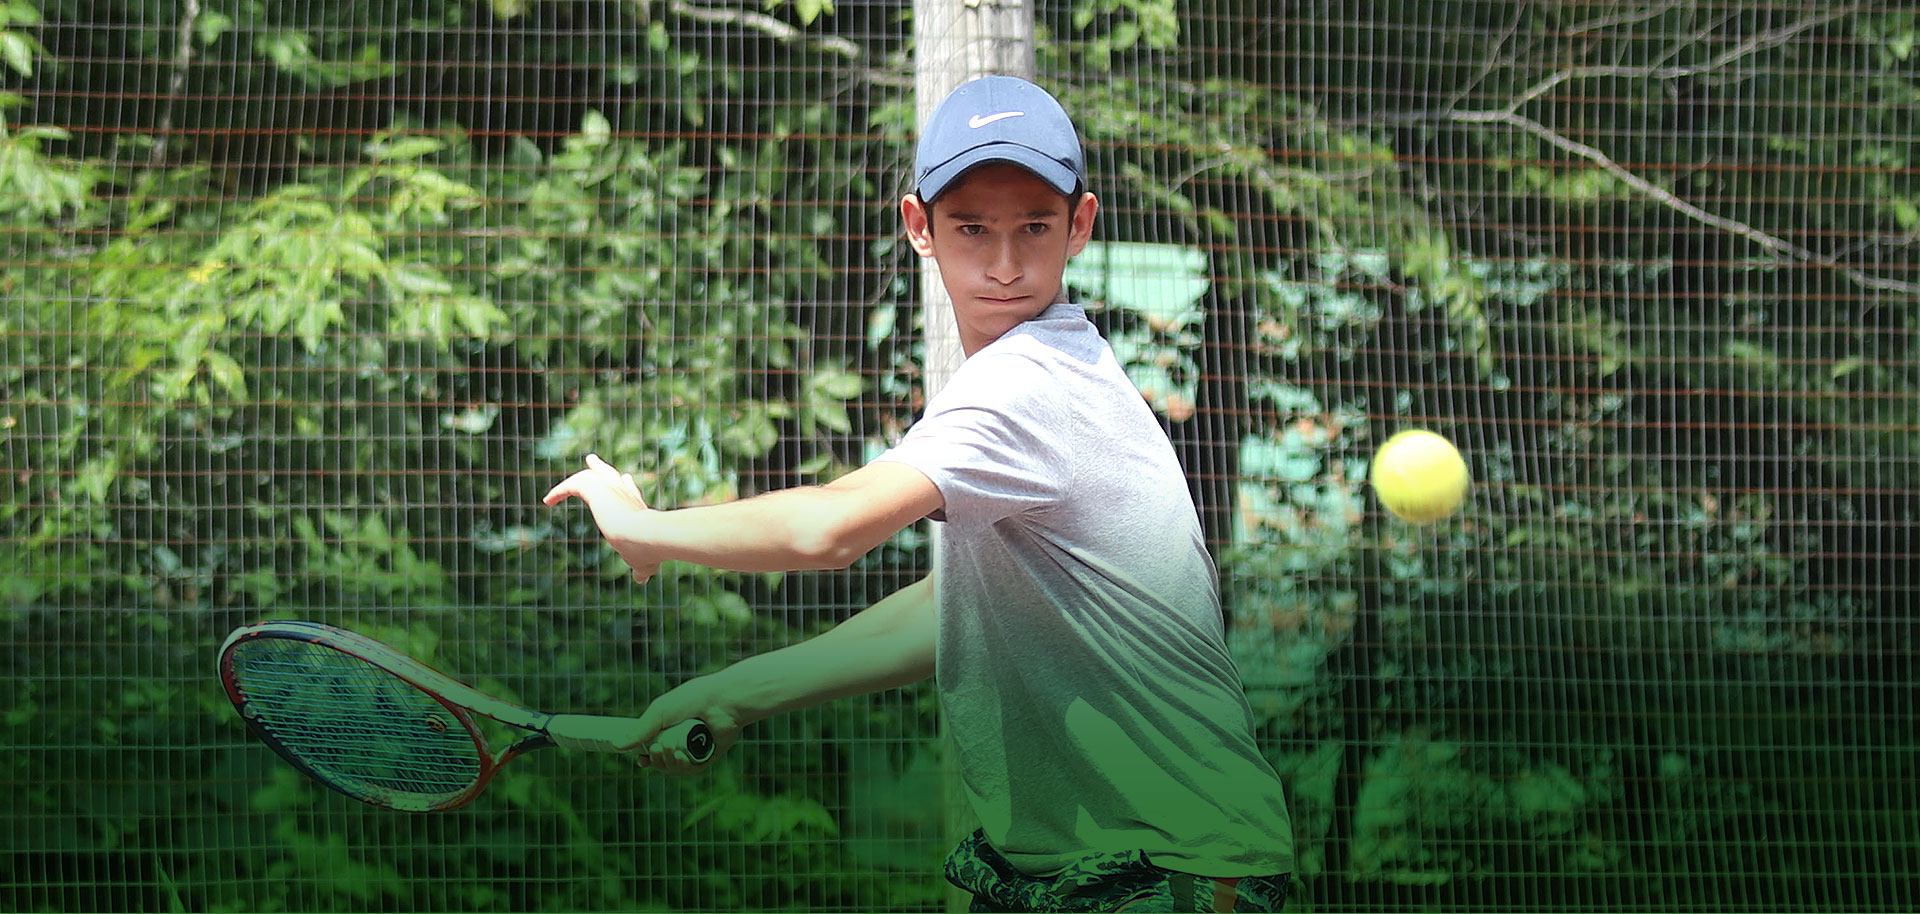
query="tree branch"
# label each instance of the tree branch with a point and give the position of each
(1493, 56)
(1622, 19)
(1753, 45)
(182, 55)
(1666, 198)
(765, 23)
(781, 31)
(1510, 116)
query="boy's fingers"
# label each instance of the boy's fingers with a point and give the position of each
(668, 761)
(614, 478)
(569, 486)
(578, 485)
(602, 467)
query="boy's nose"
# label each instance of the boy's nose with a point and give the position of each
(1005, 268)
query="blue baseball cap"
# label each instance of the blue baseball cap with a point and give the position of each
(998, 119)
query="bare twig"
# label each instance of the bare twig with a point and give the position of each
(1510, 116)
(781, 31)
(1887, 241)
(764, 23)
(1492, 55)
(1608, 22)
(1699, 34)
(1752, 45)
(182, 56)
(1770, 242)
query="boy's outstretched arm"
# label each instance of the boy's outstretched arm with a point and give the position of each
(810, 527)
(885, 646)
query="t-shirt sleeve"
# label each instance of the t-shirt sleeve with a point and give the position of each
(986, 442)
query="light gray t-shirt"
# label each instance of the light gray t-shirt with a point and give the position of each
(1081, 655)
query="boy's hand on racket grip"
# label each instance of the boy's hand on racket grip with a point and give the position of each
(690, 740)
(702, 698)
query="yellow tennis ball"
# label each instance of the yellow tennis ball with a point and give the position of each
(1420, 476)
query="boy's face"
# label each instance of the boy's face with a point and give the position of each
(1002, 237)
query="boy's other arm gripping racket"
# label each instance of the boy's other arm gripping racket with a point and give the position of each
(386, 729)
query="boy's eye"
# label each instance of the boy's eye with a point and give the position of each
(1037, 228)
(972, 229)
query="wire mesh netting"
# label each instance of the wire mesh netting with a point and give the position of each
(308, 304)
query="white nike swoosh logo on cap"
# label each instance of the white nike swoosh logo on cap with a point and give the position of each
(978, 121)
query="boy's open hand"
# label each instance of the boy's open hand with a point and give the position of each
(617, 507)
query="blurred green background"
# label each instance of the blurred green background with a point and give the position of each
(306, 304)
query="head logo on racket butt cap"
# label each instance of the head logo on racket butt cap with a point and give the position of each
(700, 744)
(998, 119)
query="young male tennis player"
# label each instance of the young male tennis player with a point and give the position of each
(1072, 623)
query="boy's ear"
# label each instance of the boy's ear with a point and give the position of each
(1082, 227)
(918, 217)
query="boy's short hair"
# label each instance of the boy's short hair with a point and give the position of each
(999, 119)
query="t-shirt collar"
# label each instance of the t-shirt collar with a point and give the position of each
(1062, 311)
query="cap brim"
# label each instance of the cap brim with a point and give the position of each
(1050, 170)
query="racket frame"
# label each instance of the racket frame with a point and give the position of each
(460, 700)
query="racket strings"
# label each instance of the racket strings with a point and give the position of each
(355, 726)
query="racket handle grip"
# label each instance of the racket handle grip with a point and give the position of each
(597, 733)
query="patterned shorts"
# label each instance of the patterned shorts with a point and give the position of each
(1105, 882)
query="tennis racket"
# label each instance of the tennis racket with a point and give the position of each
(386, 729)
